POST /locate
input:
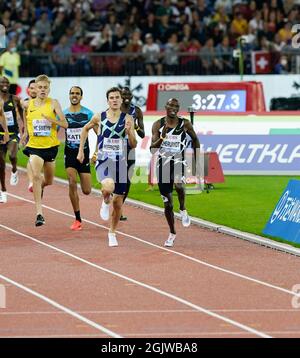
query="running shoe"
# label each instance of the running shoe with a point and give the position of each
(30, 187)
(14, 178)
(185, 219)
(76, 226)
(123, 218)
(3, 197)
(104, 211)
(39, 220)
(112, 240)
(170, 241)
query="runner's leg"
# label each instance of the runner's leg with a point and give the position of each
(3, 151)
(36, 164)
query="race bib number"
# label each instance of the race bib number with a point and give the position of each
(113, 147)
(41, 128)
(172, 143)
(73, 135)
(9, 118)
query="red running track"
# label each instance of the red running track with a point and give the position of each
(60, 283)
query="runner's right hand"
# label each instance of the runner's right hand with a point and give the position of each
(80, 156)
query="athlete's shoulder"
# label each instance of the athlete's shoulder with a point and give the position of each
(87, 111)
(159, 122)
(66, 111)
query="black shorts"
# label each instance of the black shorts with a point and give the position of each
(169, 174)
(12, 138)
(72, 162)
(47, 154)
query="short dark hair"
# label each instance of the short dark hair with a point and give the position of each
(30, 82)
(112, 89)
(80, 89)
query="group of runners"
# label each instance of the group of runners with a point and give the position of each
(38, 118)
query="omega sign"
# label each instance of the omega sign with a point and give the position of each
(173, 87)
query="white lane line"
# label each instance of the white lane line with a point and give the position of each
(130, 312)
(139, 283)
(62, 308)
(156, 334)
(204, 263)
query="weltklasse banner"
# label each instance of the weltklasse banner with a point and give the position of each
(284, 222)
(257, 153)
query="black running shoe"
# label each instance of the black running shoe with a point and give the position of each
(123, 218)
(39, 220)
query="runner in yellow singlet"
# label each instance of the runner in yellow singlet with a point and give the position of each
(42, 146)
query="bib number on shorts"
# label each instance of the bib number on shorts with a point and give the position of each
(73, 135)
(9, 118)
(41, 128)
(171, 143)
(112, 147)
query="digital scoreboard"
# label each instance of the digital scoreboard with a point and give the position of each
(216, 97)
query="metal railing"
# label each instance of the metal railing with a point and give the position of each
(133, 64)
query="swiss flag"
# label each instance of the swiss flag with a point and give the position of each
(261, 62)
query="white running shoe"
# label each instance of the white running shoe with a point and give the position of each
(104, 211)
(185, 219)
(14, 178)
(3, 197)
(112, 240)
(170, 241)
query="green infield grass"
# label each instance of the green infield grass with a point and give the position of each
(242, 202)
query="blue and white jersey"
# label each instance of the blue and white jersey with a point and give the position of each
(112, 139)
(76, 121)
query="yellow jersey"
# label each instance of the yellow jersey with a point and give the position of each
(42, 133)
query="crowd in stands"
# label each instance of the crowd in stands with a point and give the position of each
(147, 37)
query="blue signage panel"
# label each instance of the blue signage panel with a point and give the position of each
(285, 219)
(274, 153)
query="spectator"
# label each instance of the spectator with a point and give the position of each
(62, 56)
(239, 25)
(120, 40)
(282, 66)
(80, 51)
(43, 26)
(59, 26)
(151, 53)
(224, 57)
(191, 63)
(9, 66)
(134, 63)
(285, 33)
(210, 63)
(171, 58)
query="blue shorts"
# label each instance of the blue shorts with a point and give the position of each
(116, 170)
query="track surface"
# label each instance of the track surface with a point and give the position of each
(60, 283)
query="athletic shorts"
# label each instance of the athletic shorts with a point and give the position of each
(116, 170)
(47, 154)
(169, 174)
(72, 162)
(12, 138)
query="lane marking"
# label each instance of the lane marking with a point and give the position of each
(204, 263)
(61, 307)
(279, 310)
(144, 285)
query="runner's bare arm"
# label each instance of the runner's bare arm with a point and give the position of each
(158, 138)
(92, 124)
(129, 129)
(62, 122)
(195, 144)
(3, 123)
(139, 126)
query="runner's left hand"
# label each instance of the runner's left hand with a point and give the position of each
(128, 125)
